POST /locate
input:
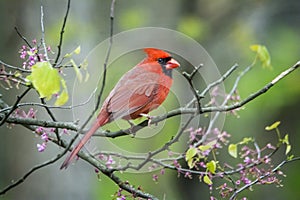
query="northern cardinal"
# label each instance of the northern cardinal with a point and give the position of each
(139, 91)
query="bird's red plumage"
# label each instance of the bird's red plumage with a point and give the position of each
(139, 91)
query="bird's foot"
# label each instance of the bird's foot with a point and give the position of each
(149, 117)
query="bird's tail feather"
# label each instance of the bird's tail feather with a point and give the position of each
(83, 141)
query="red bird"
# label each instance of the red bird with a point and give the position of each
(139, 91)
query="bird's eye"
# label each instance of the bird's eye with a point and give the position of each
(160, 61)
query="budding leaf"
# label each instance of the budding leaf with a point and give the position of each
(246, 140)
(76, 69)
(68, 55)
(207, 180)
(263, 54)
(211, 166)
(77, 50)
(45, 79)
(285, 140)
(62, 98)
(273, 126)
(290, 157)
(189, 156)
(204, 147)
(288, 149)
(232, 150)
(190, 153)
(207, 146)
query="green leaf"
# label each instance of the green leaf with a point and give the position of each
(211, 166)
(207, 146)
(290, 157)
(263, 54)
(204, 147)
(190, 155)
(286, 141)
(68, 55)
(84, 66)
(45, 79)
(62, 98)
(17, 74)
(207, 180)
(246, 140)
(191, 163)
(77, 50)
(273, 126)
(232, 150)
(288, 149)
(77, 71)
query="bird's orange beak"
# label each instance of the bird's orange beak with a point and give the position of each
(171, 64)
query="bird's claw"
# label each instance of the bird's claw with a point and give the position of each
(149, 117)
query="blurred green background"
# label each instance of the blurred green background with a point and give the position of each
(225, 28)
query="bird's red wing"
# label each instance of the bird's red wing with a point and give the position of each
(135, 91)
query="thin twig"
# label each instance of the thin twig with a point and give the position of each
(23, 37)
(220, 80)
(28, 44)
(262, 177)
(14, 77)
(19, 98)
(48, 106)
(47, 124)
(167, 145)
(27, 174)
(253, 95)
(52, 117)
(62, 33)
(213, 84)
(189, 78)
(215, 117)
(14, 67)
(112, 8)
(43, 34)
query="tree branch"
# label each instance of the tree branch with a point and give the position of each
(262, 177)
(256, 94)
(31, 171)
(62, 31)
(19, 98)
(14, 67)
(189, 78)
(43, 34)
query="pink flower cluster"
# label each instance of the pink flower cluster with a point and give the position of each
(23, 114)
(44, 134)
(31, 55)
(256, 167)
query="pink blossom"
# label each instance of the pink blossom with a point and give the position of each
(155, 177)
(45, 137)
(65, 131)
(41, 147)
